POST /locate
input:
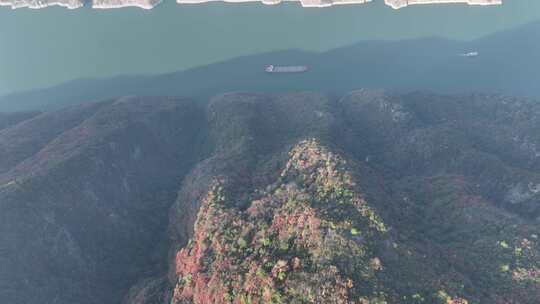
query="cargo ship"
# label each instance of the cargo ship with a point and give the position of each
(286, 69)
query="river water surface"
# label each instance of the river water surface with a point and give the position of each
(39, 48)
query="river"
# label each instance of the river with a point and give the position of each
(39, 48)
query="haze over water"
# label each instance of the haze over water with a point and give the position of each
(40, 48)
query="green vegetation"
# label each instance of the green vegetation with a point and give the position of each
(289, 251)
(319, 228)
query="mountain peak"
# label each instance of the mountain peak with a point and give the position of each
(290, 244)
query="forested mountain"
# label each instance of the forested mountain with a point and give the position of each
(372, 197)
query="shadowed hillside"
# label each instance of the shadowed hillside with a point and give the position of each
(84, 194)
(9, 119)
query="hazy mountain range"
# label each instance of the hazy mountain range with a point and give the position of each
(507, 63)
(372, 197)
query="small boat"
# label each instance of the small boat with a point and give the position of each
(286, 69)
(470, 54)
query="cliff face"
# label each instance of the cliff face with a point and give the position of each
(106, 4)
(149, 4)
(295, 198)
(38, 4)
(397, 4)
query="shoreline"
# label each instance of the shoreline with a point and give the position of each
(150, 4)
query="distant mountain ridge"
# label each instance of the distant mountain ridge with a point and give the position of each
(508, 63)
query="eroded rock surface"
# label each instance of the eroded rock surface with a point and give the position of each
(149, 4)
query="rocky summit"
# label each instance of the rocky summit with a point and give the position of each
(373, 197)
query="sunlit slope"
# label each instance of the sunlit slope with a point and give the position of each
(381, 203)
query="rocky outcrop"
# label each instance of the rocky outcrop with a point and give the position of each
(304, 3)
(397, 4)
(38, 4)
(149, 4)
(107, 4)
